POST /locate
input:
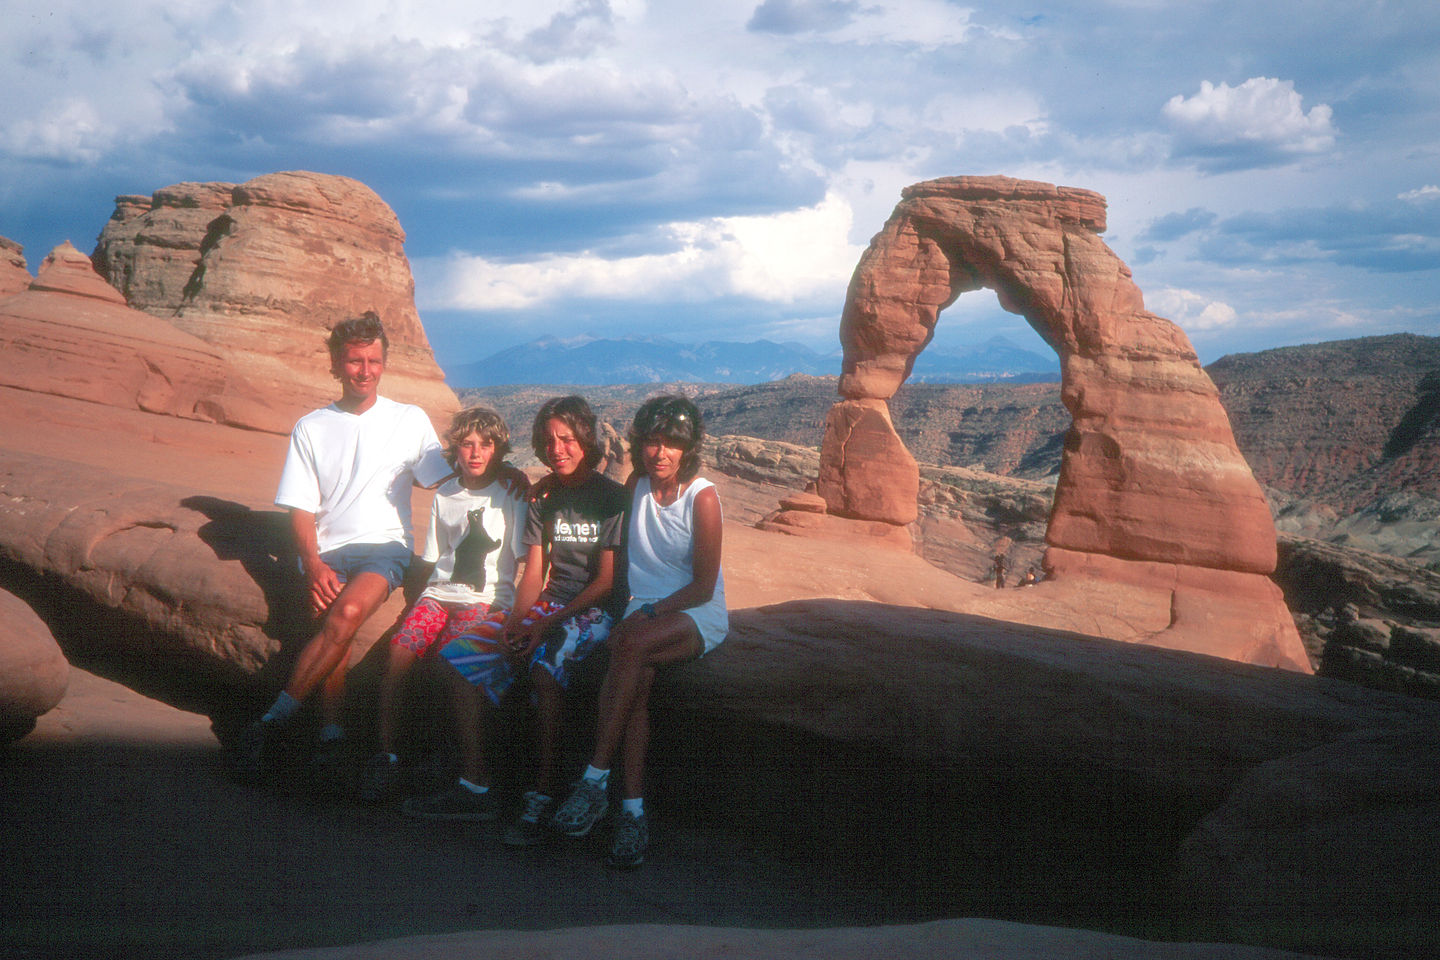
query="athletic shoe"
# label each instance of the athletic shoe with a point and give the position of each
(584, 808)
(378, 779)
(253, 753)
(632, 836)
(531, 827)
(455, 803)
(332, 767)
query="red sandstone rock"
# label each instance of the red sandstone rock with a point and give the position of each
(14, 277)
(865, 471)
(1150, 471)
(275, 266)
(71, 334)
(33, 670)
(151, 246)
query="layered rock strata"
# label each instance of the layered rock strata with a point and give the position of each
(264, 269)
(71, 334)
(1152, 487)
(14, 277)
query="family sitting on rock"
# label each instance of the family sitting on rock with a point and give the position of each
(574, 538)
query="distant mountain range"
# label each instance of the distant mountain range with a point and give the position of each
(586, 360)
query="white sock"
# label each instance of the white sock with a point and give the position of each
(635, 806)
(473, 787)
(331, 732)
(598, 776)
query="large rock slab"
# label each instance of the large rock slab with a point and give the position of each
(70, 333)
(1332, 849)
(33, 670)
(273, 264)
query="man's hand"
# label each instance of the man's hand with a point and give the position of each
(325, 585)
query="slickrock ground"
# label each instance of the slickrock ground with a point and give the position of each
(846, 760)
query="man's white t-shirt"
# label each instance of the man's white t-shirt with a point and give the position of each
(355, 471)
(456, 513)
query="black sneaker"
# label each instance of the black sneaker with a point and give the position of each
(254, 752)
(454, 803)
(379, 778)
(533, 824)
(632, 836)
(332, 769)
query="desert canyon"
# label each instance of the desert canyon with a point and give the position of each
(1131, 758)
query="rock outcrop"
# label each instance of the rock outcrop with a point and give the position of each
(268, 266)
(1152, 488)
(14, 276)
(33, 670)
(70, 333)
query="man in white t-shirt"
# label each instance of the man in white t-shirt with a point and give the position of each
(346, 483)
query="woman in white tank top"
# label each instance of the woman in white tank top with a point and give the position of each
(676, 611)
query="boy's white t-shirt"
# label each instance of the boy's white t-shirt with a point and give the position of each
(355, 471)
(501, 514)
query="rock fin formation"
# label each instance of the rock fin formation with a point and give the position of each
(1152, 491)
(263, 269)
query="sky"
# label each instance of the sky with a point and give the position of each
(713, 171)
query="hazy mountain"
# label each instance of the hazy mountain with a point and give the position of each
(587, 360)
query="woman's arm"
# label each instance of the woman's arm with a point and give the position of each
(705, 561)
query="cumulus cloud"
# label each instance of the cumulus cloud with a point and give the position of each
(1394, 237)
(1426, 194)
(783, 258)
(1260, 122)
(797, 16)
(69, 132)
(1191, 310)
(925, 23)
(1173, 226)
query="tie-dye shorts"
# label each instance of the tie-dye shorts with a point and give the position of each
(481, 657)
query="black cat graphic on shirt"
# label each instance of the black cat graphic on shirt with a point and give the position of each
(470, 553)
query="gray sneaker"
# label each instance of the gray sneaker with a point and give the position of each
(453, 803)
(632, 836)
(585, 807)
(532, 826)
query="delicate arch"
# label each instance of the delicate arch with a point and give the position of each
(1150, 469)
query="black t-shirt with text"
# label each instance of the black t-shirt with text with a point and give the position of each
(574, 524)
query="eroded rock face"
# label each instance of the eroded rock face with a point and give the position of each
(271, 268)
(1150, 472)
(151, 246)
(14, 277)
(70, 333)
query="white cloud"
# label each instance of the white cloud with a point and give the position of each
(1426, 194)
(926, 23)
(783, 258)
(1190, 310)
(1261, 111)
(71, 132)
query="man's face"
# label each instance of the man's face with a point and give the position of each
(358, 368)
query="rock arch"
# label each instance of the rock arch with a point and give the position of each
(1152, 491)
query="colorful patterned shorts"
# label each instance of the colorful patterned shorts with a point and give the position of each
(480, 654)
(431, 623)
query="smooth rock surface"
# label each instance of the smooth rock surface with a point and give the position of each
(33, 670)
(70, 333)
